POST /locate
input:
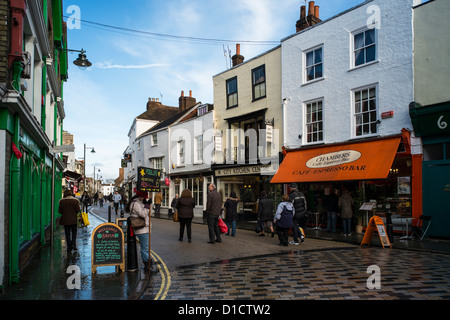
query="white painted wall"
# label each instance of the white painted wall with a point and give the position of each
(392, 71)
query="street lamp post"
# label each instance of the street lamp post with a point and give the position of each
(84, 166)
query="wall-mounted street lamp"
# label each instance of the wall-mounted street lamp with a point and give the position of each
(82, 62)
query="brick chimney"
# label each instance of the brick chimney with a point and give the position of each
(185, 103)
(307, 21)
(153, 102)
(237, 58)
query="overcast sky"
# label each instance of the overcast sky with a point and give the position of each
(168, 55)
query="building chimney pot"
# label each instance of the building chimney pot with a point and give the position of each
(302, 12)
(190, 93)
(311, 8)
(182, 93)
(316, 12)
(237, 58)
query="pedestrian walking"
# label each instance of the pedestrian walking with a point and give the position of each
(157, 201)
(86, 201)
(100, 199)
(116, 199)
(173, 205)
(284, 219)
(265, 213)
(299, 201)
(69, 207)
(231, 215)
(345, 204)
(331, 203)
(213, 209)
(136, 208)
(185, 206)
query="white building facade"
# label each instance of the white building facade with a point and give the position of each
(347, 83)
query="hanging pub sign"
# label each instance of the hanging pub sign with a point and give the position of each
(148, 180)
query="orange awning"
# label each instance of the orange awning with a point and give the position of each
(354, 161)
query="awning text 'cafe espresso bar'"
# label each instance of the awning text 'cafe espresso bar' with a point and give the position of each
(354, 161)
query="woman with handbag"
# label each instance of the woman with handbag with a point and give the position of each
(140, 223)
(185, 207)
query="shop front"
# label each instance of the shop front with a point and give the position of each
(377, 172)
(247, 182)
(432, 124)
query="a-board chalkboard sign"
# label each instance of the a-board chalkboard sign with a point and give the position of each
(148, 179)
(107, 247)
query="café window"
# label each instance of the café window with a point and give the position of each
(259, 82)
(232, 93)
(195, 185)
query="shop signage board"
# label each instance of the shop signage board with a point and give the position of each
(247, 170)
(430, 120)
(376, 224)
(107, 242)
(148, 179)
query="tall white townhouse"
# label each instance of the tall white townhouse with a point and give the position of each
(347, 83)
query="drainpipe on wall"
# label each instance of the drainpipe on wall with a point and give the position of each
(44, 95)
(14, 272)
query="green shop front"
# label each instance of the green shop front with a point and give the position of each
(432, 124)
(31, 181)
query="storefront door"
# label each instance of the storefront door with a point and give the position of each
(436, 195)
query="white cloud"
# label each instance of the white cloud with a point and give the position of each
(120, 66)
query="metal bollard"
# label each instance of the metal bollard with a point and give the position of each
(132, 259)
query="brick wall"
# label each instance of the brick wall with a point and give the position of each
(4, 40)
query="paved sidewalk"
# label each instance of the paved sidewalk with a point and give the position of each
(46, 277)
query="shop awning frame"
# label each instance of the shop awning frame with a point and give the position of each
(359, 160)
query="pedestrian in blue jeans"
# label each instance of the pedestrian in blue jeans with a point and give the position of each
(136, 207)
(231, 214)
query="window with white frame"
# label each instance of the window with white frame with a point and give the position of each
(202, 110)
(181, 152)
(365, 108)
(259, 82)
(314, 64)
(195, 185)
(314, 121)
(232, 93)
(154, 139)
(199, 149)
(165, 197)
(157, 163)
(364, 47)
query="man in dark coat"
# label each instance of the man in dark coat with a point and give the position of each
(69, 207)
(265, 213)
(299, 201)
(213, 209)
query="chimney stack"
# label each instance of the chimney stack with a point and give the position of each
(185, 103)
(237, 58)
(311, 19)
(153, 102)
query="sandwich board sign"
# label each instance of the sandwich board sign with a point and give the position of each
(107, 246)
(376, 224)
